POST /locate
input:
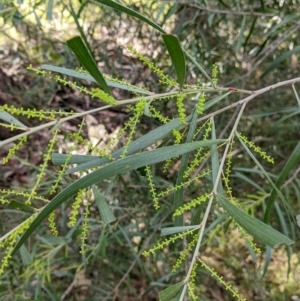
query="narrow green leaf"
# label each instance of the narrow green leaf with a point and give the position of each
(288, 117)
(279, 60)
(268, 258)
(53, 240)
(60, 159)
(298, 220)
(214, 101)
(26, 258)
(241, 36)
(49, 9)
(215, 166)
(296, 94)
(82, 34)
(20, 206)
(259, 230)
(147, 111)
(85, 58)
(56, 127)
(106, 213)
(282, 219)
(296, 111)
(171, 292)
(223, 3)
(248, 180)
(270, 113)
(251, 250)
(193, 60)
(250, 32)
(261, 46)
(100, 250)
(174, 230)
(128, 11)
(291, 163)
(196, 219)
(222, 217)
(135, 14)
(73, 232)
(115, 168)
(11, 120)
(80, 75)
(52, 296)
(177, 56)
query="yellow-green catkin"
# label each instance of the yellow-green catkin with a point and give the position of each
(184, 254)
(42, 168)
(191, 204)
(233, 200)
(115, 80)
(191, 283)
(201, 103)
(228, 286)
(164, 79)
(106, 98)
(131, 124)
(178, 136)
(152, 187)
(256, 148)
(183, 184)
(76, 139)
(167, 165)
(166, 242)
(11, 126)
(52, 224)
(10, 241)
(14, 149)
(215, 72)
(94, 93)
(158, 115)
(33, 113)
(228, 171)
(199, 156)
(85, 228)
(248, 238)
(14, 193)
(180, 107)
(75, 208)
(131, 87)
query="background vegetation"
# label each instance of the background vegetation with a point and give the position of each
(254, 43)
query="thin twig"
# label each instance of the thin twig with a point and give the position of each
(120, 102)
(153, 97)
(254, 94)
(213, 193)
(229, 12)
(292, 178)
